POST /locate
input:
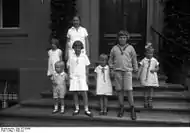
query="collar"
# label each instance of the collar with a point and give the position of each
(148, 59)
(61, 74)
(75, 28)
(105, 67)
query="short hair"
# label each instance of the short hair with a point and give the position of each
(103, 56)
(78, 44)
(123, 33)
(76, 15)
(60, 63)
(55, 41)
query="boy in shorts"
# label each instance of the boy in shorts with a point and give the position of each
(123, 62)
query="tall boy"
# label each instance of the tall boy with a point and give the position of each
(123, 62)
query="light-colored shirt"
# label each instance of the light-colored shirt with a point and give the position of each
(77, 65)
(123, 58)
(77, 34)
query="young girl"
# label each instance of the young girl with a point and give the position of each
(123, 61)
(103, 84)
(77, 65)
(59, 85)
(54, 54)
(148, 74)
(76, 32)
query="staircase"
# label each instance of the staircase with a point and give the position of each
(171, 108)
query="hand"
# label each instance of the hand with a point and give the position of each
(135, 70)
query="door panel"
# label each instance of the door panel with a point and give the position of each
(122, 14)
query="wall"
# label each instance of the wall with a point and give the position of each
(25, 48)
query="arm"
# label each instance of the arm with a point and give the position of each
(134, 60)
(61, 54)
(139, 72)
(87, 46)
(111, 59)
(156, 69)
(66, 48)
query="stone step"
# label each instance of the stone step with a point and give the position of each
(161, 96)
(162, 106)
(43, 117)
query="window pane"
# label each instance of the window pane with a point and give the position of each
(10, 13)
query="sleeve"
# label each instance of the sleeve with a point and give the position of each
(96, 69)
(85, 32)
(68, 33)
(87, 62)
(134, 58)
(141, 62)
(49, 53)
(157, 63)
(111, 59)
(68, 63)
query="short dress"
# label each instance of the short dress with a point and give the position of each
(77, 69)
(147, 78)
(103, 83)
(54, 56)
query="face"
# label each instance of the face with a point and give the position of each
(54, 46)
(76, 22)
(58, 68)
(77, 50)
(149, 55)
(122, 40)
(103, 62)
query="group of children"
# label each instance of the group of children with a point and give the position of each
(120, 65)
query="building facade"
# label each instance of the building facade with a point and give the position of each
(23, 46)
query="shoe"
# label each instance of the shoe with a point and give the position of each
(121, 112)
(133, 113)
(88, 113)
(54, 111)
(101, 112)
(62, 111)
(76, 112)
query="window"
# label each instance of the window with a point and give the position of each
(9, 13)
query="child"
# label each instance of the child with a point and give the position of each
(77, 65)
(148, 74)
(59, 85)
(123, 61)
(54, 54)
(103, 84)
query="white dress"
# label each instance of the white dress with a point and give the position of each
(54, 56)
(103, 83)
(74, 35)
(147, 78)
(77, 69)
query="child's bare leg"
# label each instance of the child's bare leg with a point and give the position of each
(130, 98)
(76, 102)
(62, 105)
(56, 104)
(101, 105)
(85, 100)
(121, 103)
(150, 94)
(146, 97)
(105, 104)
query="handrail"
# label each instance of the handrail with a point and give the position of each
(169, 40)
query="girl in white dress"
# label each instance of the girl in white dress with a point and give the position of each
(76, 32)
(54, 54)
(103, 83)
(77, 65)
(149, 67)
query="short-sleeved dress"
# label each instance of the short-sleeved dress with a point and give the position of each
(54, 56)
(77, 68)
(147, 78)
(73, 34)
(103, 83)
